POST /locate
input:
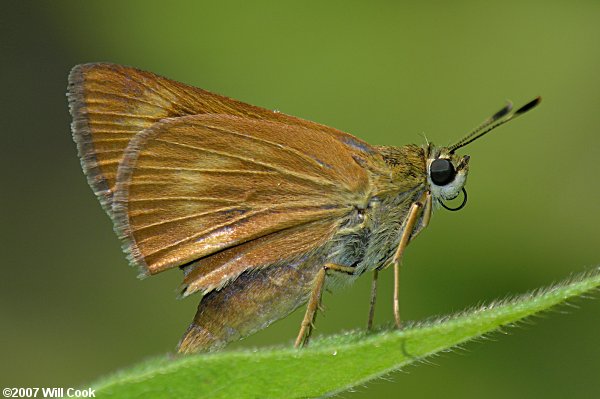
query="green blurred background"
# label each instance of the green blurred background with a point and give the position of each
(389, 72)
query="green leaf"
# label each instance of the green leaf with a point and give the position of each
(332, 364)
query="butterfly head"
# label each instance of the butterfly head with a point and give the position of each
(447, 172)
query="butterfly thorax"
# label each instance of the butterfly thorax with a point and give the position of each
(369, 236)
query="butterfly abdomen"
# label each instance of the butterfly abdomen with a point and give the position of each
(250, 303)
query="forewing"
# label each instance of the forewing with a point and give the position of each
(193, 186)
(111, 103)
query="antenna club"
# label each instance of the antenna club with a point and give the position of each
(530, 105)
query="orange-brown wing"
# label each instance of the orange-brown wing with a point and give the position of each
(111, 103)
(289, 245)
(193, 186)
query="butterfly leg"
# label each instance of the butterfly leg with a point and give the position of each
(315, 301)
(373, 299)
(424, 204)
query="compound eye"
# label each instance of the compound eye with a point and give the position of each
(442, 172)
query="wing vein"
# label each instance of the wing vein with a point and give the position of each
(205, 170)
(212, 230)
(179, 219)
(254, 161)
(110, 101)
(112, 140)
(183, 198)
(123, 115)
(142, 82)
(271, 143)
(190, 98)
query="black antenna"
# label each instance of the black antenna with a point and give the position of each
(498, 119)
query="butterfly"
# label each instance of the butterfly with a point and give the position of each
(260, 210)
